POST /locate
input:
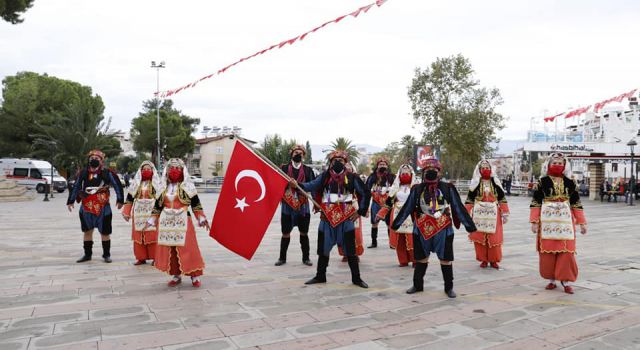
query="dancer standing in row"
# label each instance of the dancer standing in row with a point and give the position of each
(178, 253)
(336, 190)
(401, 239)
(378, 184)
(487, 204)
(358, 223)
(554, 212)
(295, 206)
(145, 186)
(92, 189)
(435, 206)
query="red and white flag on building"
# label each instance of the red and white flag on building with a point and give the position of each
(250, 195)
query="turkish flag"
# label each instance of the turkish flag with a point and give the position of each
(250, 195)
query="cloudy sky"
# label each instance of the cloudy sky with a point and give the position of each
(349, 79)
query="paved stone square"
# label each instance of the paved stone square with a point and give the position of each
(48, 301)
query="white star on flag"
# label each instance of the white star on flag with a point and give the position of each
(241, 204)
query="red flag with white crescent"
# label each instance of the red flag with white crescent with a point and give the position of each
(250, 195)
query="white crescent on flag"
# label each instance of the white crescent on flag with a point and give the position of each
(241, 203)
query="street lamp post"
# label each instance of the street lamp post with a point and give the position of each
(157, 67)
(632, 185)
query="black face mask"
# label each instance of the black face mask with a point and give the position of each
(94, 163)
(382, 170)
(297, 158)
(337, 167)
(431, 175)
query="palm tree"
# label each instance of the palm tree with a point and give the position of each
(407, 143)
(344, 144)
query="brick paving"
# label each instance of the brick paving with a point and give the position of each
(49, 301)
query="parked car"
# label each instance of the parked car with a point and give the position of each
(196, 180)
(216, 181)
(32, 173)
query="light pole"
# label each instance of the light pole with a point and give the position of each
(632, 184)
(157, 67)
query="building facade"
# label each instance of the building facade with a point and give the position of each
(211, 156)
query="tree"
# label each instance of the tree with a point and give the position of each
(276, 149)
(458, 116)
(32, 101)
(68, 141)
(407, 143)
(344, 144)
(129, 164)
(307, 155)
(175, 130)
(10, 10)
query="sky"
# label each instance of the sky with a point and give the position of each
(349, 79)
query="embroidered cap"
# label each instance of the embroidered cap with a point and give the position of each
(298, 148)
(96, 153)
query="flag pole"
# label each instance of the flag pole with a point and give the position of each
(277, 168)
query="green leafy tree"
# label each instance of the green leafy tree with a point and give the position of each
(276, 149)
(307, 155)
(344, 144)
(10, 10)
(32, 101)
(458, 116)
(67, 142)
(407, 143)
(129, 164)
(176, 128)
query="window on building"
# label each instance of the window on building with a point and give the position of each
(219, 150)
(220, 166)
(614, 166)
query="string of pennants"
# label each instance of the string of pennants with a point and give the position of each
(363, 9)
(596, 107)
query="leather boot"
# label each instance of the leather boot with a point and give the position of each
(418, 277)
(304, 245)
(106, 251)
(447, 276)
(88, 250)
(374, 238)
(284, 245)
(355, 272)
(321, 274)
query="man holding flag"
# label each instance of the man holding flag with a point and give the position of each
(336, 190)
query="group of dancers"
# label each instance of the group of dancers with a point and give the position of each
(420, 213)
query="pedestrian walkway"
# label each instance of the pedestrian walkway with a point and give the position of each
(49, 301)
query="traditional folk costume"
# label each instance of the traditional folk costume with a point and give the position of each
(487, 204)
(379, 183)
(554, 212)
(336, 190)
(178, 252)
(358, 224)
(434, 206)
(401, 239)
(141, 197)
(92, 189)
(295, 206)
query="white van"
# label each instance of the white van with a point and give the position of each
(32, 173)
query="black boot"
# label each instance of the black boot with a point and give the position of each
(374, 238)
(355, 272)
(88, 250)
(284, 245)
(304, 245)
(418, 277)
(321, 274)
(447, 276)
(106, 251)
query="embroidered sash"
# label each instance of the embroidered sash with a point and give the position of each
(292, 199)
(142, 209)
(556, 223)
(485, 216)
(337, 213)
(379, 198)
(407, 225)
(173, 227)
(95, 200)
(429, 225)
